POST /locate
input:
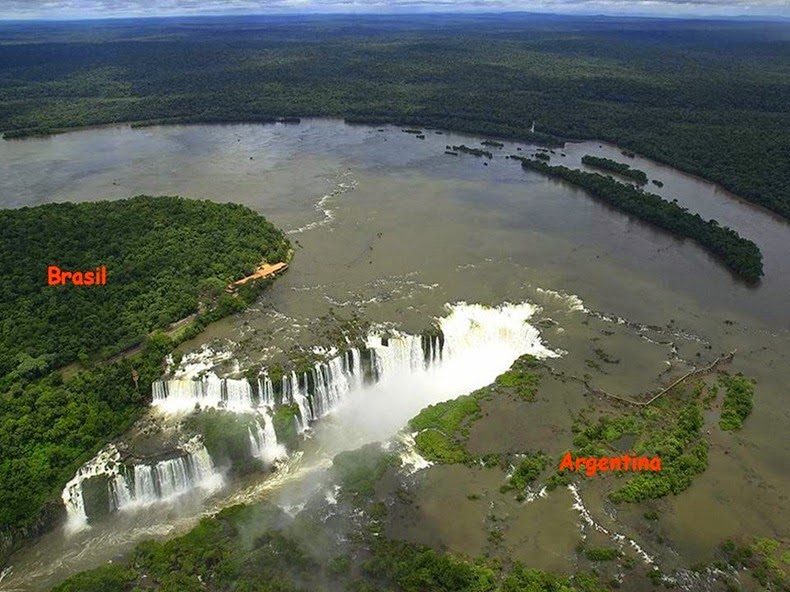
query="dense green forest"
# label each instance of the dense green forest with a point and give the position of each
(607, 164)
(708, 97)
(164, 256)
(740, 255)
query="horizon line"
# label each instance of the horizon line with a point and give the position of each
(386, 13)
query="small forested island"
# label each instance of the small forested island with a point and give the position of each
(607, 164)
(167, 259)
(473, 151)
(740, 255)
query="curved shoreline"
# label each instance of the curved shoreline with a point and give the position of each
(542, 139)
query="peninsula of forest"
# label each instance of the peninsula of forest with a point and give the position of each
(167, 258)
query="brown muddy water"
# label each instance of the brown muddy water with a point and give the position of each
(389, 227)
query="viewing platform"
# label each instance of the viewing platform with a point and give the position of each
(264, 271)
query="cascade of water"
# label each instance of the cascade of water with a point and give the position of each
(399, 352)
(299, 396)
(119, 492)
(184, 394)
(166, 479)
(263, 440)
(142, 484)
(106, 462)
(498, 334)
(266, 390)
(472, 345)
(238, 394)
(472, 326)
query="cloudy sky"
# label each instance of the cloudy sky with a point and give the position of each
(66, 9)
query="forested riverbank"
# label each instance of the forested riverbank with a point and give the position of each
(167, 257)
(717, 88)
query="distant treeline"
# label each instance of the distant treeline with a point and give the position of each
(707, 97)
(607, 164)
(740, 255)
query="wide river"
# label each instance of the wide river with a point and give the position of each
(390, 227)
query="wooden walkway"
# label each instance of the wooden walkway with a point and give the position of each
(692, 374)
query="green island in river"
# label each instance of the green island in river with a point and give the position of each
(607, 164)
(739, 254)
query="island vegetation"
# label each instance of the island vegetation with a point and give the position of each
(740, 255)
(738, 402)
(607, 164)
(473, 151)
(167, 258)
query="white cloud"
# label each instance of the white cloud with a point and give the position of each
(49, 9)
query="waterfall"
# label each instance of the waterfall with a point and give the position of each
(140, 485)
(385, 383)
(263, 440)
(184, 394)
(468, 335)
(106, 462)
(166, 479)
(266, 391)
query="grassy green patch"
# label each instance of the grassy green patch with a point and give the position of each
(676, 438)
(107, 578)
(441, 436)
(443, 428)
(738, 401)
(447, 416)
(438, 447)
(284, 421)
(671, 429)
(601, 553)
(522, 377)
(226, 437)
(765, 558)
